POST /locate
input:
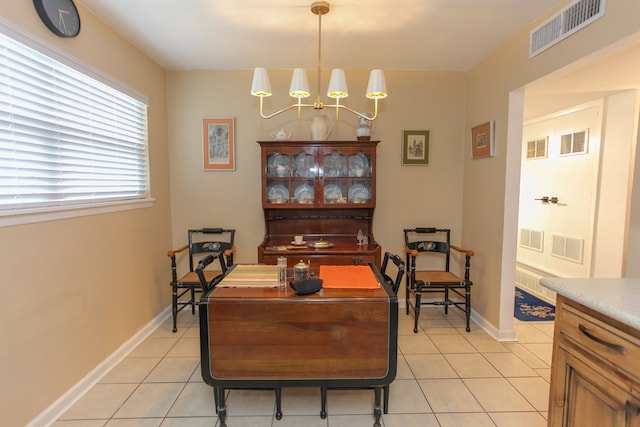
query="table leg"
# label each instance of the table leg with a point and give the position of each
(221, 407)
(323, 403)
(377, 409)
(278, 403)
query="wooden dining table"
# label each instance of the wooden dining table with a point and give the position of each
(254, 335)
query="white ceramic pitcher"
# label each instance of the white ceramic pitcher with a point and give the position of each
(321, 127)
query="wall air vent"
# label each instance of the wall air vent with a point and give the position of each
(531, 239)
(572, 18)
(568, 248)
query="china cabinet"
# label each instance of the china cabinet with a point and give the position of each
(324, 191)
(595, 378)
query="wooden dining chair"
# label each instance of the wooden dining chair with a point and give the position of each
(436, 243)
(202, 242)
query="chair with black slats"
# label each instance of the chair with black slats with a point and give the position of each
(435, 243)
(202, 242)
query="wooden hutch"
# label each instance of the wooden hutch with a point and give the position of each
(324, 191)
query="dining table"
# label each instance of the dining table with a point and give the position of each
(257, 335)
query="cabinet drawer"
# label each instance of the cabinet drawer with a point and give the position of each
(601, 340)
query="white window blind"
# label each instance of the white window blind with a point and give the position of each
(66, 138)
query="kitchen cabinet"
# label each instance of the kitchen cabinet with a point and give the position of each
(324, 191)
(595, 377)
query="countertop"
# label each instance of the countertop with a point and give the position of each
(616, 298)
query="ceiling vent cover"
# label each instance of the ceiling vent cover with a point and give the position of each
(572, 18)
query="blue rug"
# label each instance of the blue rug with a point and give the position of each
(531, 308)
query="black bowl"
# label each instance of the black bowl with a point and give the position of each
(307, 286)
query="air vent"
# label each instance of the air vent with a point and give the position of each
(573, 143)
(574, 17)
(568, 248)
(531, 239)
(537, 148)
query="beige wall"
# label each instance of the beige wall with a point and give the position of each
(75, 290)
(489, 184)
(407, 196)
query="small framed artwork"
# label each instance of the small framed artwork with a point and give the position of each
(482, 137)
(218, 145)
(415, 147)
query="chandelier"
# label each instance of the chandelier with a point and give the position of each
(299, 89)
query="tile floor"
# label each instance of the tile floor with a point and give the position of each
(446, 378)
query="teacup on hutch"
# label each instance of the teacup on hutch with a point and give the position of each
(281, 135)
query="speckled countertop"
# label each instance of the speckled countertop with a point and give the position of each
(616, 298)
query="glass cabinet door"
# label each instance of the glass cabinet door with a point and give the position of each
(290, 177)
(328, 176)
(347, 176)
(334, 169)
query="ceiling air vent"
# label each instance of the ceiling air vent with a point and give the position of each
(572, 18)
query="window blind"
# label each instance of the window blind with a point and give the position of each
(66, 138)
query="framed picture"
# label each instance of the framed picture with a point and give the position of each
(482, 140)
(415, 147)
(218, 145)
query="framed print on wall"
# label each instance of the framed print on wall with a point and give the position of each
(218, 145)
(482, 137)
(415, 147)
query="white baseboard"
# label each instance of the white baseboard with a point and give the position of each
(60, 406)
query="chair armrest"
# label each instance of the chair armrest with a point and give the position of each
(230, 251)
(408, 250)
(173, 252)
(467, 252)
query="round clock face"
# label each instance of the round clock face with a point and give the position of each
(60, 16)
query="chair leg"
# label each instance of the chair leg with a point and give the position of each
(416, 310)
(174, 305)
(467, 305)
(193, 300)
(278, 403)
(446, 300)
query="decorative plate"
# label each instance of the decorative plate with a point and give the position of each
(304, 165)
(332, 193)
(321, 244)
(358, 193)
(303, 193)
(278, 194)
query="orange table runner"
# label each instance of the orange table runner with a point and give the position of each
(348, 276)
(251, 275)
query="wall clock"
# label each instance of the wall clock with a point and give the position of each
(60, 16)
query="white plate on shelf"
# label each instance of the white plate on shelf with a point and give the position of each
(298, 244)
(358, 165)
(332, 193)
(303, 193)
(358, 193)
(304, 165)
(278, 194)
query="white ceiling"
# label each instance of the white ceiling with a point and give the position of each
(356, 34)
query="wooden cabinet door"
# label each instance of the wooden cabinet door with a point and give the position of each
(586, 397)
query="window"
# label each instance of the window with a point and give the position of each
(67, 139)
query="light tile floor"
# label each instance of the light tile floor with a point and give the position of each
(446, 378)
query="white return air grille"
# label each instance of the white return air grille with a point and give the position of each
(568, 248)
(574, 17)
(531, 239)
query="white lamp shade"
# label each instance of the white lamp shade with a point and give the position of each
(299, 84)
(261, 85)
(337, 84)
(377, 87)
